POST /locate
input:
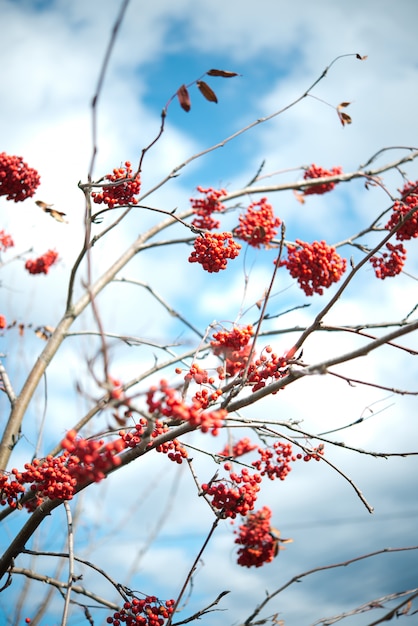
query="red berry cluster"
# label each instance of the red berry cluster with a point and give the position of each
(409, 230)
(318, 172)
(266, 367)
(236, 496)
(278, 467)
(10, 490)
(90, 459)
(212, 251)
(315, 265)
(390, 263)
(133, 437)
(42, 264)
(199, 375)
(145, 612)
(58, 477)
(204, 207)
(163, 401)
(5, 241)
(205, 397)
(18, 181)
(241, 447)
(234, 346)
(122, 193)
(49, 478)
(3, 322)
(259, 545)
(173, 448)
(315, 454)
(259, 225)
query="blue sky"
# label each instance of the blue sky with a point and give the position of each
(51, 54)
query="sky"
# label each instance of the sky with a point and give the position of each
(52, 53)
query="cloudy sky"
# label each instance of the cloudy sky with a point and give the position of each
(52, 53)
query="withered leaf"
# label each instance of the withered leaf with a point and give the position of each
(343, 105)
(344, 118)
(299, 196)
(44, 332)
(184, 98)
(358, 56)
(222, 73)
(57, 215)
(206, 91)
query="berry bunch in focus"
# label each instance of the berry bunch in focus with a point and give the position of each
(123, 192)
(258, 226)
(165, 402)
(234, 346)
(236, 496)
(204, 207)
(314, 265)
(259, 545)
(18, 181)
(145, 612)
(389, 263)
(212, 251)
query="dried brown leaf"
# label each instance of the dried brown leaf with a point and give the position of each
(206, 91)
(344, 118)
(222, 73)
(57, 215)
(343, 105)
(299, 196)
(184, 98)
(358, 56)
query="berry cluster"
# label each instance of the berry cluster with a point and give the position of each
(390, 263)
(259, 545)
(212, 251)
(90, 459)
(315, 454)
(163, 401)
(123, 192)
(199, 375)
(10, 489)
(408, 230)
(5, 241)
(259, 225)
(315, 265)
(42, 264)
(204, 207)
(145, 612)
(236, 496)
(205, 397)
(318, 172)
(241, 447)
(58, 477)
(234, 346)
(173, 448)
(278, 467)
(133, 437)
(3, 322)
(266, 367)
(18, 181)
